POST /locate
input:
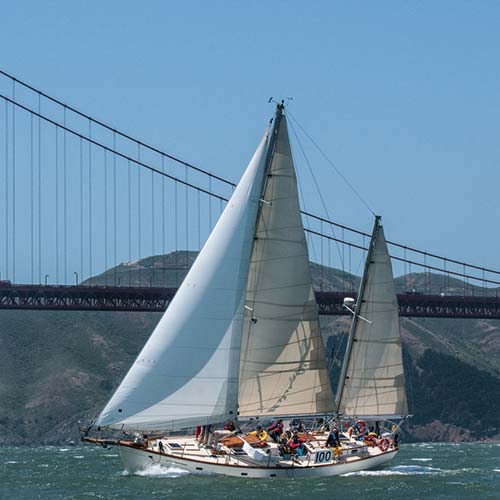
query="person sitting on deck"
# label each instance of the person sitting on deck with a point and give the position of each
(297, 425)
(261, 434)
(297, 445)
(275, 430)
(370, 438)
(284, 444)
(353, 431)
(333, 439)
(230, 426)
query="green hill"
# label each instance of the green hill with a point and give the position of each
(58, 367)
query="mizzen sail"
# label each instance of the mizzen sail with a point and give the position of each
(372, 382)
(282, 357)
(187, 373)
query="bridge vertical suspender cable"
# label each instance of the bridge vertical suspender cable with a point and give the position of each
(105, 217)
(139, 239)
(32, 208)
(65, 201)
(14, 184)
(6, 190)
(57, 201)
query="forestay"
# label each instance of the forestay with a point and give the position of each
(187, 373)
(282, 359)
(374, 384)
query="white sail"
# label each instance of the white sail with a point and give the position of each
(187, 373)
(374, 383)
(282, 368)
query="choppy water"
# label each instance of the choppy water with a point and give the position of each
(420, 471)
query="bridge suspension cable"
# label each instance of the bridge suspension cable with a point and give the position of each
(107, 148)
(143, 161)
(114, 130)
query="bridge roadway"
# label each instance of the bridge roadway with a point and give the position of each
(153, 299)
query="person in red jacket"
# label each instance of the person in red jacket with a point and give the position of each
(297, 445)
(275, 430)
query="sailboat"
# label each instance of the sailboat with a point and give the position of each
(241, 343)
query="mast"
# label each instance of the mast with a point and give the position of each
(276, 121)
(355, 318)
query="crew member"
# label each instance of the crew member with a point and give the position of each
(275, 430)
(261, 434)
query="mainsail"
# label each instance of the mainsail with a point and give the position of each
(187, 373)
(282, 357)
(372, 381)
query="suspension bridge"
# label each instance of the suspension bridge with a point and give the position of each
(92, 218)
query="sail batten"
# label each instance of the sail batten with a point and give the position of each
(372, 383)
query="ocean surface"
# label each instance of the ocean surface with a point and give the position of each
(420, 471)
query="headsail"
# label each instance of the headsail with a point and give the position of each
(187, 373)
(372, 375)
(282, 357)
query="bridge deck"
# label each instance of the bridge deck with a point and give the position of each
(112, 298)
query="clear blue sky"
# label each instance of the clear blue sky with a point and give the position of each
(403, 96)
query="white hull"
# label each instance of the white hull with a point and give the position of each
(137, 459)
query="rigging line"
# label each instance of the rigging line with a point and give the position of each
(111, 150)
(114, 130)
(332, 164)
(306, 221)
(317, 188)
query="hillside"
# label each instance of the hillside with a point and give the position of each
(58, 367)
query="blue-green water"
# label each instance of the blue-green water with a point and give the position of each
(420, 471)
